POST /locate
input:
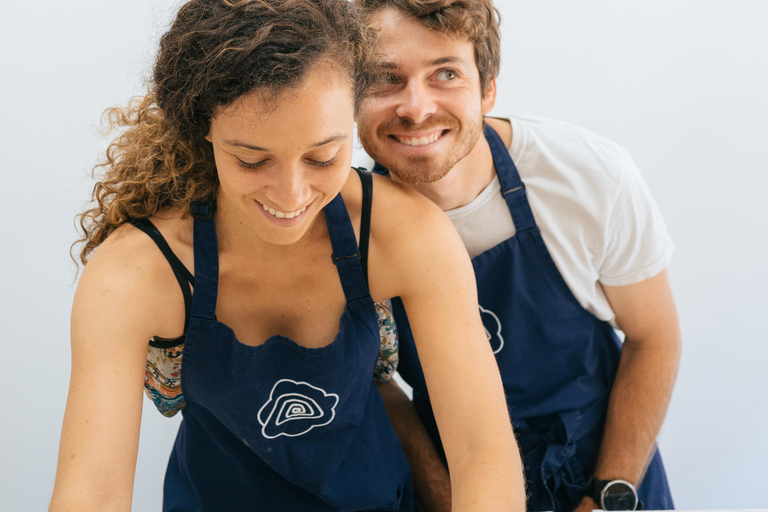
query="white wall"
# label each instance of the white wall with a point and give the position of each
(681, 84)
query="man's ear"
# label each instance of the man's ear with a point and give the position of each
(489, 97)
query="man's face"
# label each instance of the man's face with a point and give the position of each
(424, 113)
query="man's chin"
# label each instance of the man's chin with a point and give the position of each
(416, 174)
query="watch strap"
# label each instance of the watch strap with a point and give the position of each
(594, 488)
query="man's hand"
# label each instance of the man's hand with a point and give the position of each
(587, 504)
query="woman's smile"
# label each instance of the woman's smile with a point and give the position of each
(283, 219)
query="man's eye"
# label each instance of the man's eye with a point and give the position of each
(446, 74)
(385, 79)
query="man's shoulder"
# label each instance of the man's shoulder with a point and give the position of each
(560, 161)
(570, 143)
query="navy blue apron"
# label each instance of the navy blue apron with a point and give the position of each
(280, 426)
(557, 360)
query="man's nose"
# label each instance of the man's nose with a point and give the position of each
(416, 102)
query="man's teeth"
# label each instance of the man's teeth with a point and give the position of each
(419, 141)
(283, 215)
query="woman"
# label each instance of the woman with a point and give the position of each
(237, 164)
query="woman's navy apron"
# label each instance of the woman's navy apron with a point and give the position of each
(281, 427)
(557, 360)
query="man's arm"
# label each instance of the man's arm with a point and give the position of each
(646, 312)
(431, 482)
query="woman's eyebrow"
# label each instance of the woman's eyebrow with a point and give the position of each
(332, 138)
(244, 145)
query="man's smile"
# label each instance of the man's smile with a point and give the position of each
(423, 139)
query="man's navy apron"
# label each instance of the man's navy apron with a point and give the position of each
(281, 427)
(557, 360)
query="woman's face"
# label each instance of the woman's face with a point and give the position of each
(280, 161)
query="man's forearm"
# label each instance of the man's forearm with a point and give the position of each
(637, 407)
(432, 485)
(644, 381)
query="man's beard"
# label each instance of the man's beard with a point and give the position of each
(417, 169)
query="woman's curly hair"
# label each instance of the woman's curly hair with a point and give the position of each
(215, 52)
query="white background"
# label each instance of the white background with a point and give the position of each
(681, 84)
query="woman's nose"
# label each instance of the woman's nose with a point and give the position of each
(291, 191)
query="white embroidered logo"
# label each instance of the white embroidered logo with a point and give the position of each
(295, 408)
(492, 326)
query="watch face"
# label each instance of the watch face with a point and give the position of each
(619, 495)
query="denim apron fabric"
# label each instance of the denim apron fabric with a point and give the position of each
(279, 426)
(557, 360)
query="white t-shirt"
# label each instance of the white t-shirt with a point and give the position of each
(595, 212)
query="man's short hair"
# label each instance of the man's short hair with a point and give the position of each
(477, 20)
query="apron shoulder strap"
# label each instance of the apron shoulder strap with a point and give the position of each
(379, 169)
(347, 257)
(206, 249)
(512, 187)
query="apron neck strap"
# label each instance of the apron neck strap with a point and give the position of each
(379, 169)
(512, 187)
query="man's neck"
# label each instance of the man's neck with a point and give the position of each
(464, 182)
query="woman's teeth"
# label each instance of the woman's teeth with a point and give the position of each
(283, 215)
(419, 141)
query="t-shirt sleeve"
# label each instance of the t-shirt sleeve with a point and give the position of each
(637, 244)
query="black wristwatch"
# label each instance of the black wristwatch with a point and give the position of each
(613, 494)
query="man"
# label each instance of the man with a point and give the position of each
(566, 243)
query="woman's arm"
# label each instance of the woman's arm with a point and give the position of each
(116, 310)
(417, 255)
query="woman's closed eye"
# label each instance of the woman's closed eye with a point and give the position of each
(322, 163)
(261, 163)
(251, 165)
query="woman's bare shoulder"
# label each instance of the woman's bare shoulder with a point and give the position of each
(352, 193)
(404, 216)
(410, 236)
(129, 250)
(397, 212)
(128, 273)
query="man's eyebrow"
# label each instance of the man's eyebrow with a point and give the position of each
(388, 66)
(332, 138)
(391, 66)
(448, 60)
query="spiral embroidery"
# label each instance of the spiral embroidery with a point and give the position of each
(295, 408)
